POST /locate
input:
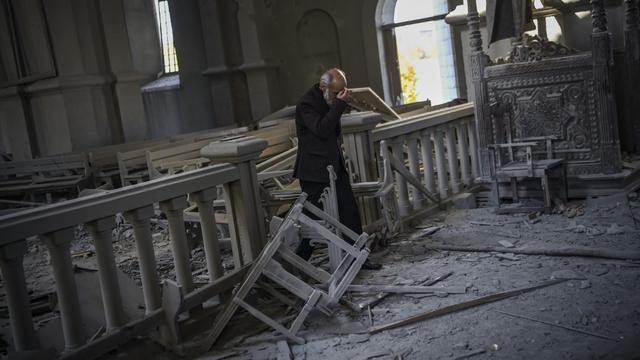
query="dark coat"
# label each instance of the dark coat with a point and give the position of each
(318, 129)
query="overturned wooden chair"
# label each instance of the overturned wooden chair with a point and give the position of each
(321, 291)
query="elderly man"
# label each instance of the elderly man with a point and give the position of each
(318, 116)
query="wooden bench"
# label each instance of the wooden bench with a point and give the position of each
(61, 173)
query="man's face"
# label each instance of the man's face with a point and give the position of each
(330, 95)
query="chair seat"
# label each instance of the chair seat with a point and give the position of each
(520, 168)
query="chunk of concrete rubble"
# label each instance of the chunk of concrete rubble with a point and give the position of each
(461, 346)
(507, 256)
(566, 274)
(579, 229)
(505, 243)
(594, 231)
(585, 284)
(615, 229)
(424, 233)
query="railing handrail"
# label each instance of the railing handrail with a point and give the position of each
(422, 121)
(20, 225)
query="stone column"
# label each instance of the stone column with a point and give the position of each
(58, 244)
(242, 197)
(427, 159)
(414, 167)
(602, 52)
(452, 157)
(359, 148)
(11, 256)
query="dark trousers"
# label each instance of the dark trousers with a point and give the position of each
(347, 207)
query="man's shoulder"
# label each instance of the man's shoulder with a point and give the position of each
(311, 97)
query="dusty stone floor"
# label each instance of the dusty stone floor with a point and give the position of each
(604, 299)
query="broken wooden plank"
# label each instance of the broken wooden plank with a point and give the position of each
(284, 352)
(560, 326)
(462, 306)
(402, 289)
(558, 251)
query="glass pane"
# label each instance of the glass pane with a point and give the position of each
(169, 55)
(417, 9)
(425, 56)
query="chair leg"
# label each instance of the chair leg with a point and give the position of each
(546, 193)
(565, 184)
(514, 190)
(496, 192)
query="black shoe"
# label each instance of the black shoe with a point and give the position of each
(368, 265)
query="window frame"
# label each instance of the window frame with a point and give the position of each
(393, 64)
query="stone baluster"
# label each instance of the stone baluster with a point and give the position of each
(11, 257)
(427, 159)
(173, 209)
(204, 200)
(107, 273)
(452, 157)
(463, 149)
(359, 148)
(473, 148)
(440, 163)
(242, 197)
(139, 219)
(414, 167)
(397, 148)
(68, 302)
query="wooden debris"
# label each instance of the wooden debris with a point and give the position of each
(560, 326)
(470, 354)
(381, 296)
(461, 306)
(406, 289)
(557, 251)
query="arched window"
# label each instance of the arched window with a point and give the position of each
(419, 55)
(165, 31)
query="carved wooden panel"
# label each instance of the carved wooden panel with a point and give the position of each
(550, 98)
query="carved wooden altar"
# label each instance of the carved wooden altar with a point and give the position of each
(546, 89)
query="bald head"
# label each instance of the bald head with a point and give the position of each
(331, 83)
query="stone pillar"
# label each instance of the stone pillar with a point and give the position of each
(242, 197)
(602, 53)
(107, 272)
(359, 148)
(259, 73)
(478, 62)
(11, 256)
(69, 303)
(463, 149)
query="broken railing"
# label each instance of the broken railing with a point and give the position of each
(433, 155)
(54, 225)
